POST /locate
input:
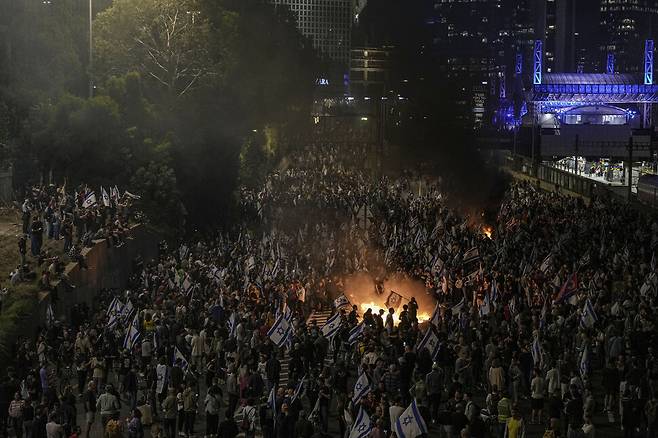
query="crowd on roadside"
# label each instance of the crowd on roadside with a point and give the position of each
(77, 217)
(545, 324)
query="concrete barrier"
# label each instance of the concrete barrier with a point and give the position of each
(109, 267)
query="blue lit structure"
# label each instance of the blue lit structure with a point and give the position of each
(610, 64)
(538, 62)
(648, 62)
(518, 70)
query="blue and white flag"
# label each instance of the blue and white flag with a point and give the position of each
(546, 264)
(279, 331)
(50, 315)
(332, 326)
(356, 332)
(459, 306)
(132, 335)
(536, 351)
(89, 201)
(361, 388)
(485, 308)
(362, 426)
(127, 311)
(105, 197)
(584, 362)
(588, 317)
(271, 401)
(187, 286)
(410, 424)
(184, 364)
(341, 301)
(436, 315)
(494, 291)
(471, 255)
(429, 341)
(114, 313)
(232, 325)
(299, 389)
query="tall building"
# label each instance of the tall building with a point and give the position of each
(624, 25)
(328, 23)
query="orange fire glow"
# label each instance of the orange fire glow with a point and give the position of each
(487, 230)
(422, 316)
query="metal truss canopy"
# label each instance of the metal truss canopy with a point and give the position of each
(594, 88)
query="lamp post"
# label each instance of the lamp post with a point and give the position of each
(91, 58)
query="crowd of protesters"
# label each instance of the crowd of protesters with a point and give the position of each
(76, 217)
(543, 321)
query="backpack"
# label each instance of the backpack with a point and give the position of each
(245, 424)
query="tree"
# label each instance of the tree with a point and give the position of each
(160, 198)
(168, 41)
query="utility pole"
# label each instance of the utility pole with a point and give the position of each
(91, 49)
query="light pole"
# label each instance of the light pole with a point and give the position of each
(91, 58)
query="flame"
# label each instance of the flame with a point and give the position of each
(487, 231)
(422, 316)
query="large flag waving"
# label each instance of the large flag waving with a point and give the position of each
(394, 300)
(89, 201)
(436, 316)
(332, 326)
(588, 318)
(356, 332)
(279, 331)
(184, 364)
(132, 335)
(362, 425)
(410, 424)
(568, 289)
(341, 301)
(105, 197)
(361, 388)
(429, 341)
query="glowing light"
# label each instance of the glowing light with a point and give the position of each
(487, 231)
(422, 316)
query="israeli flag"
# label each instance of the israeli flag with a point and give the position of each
(299, 389)
(429, 341)
(89, 201)
(271, 401)
(356, 332)
(362, 425)
(133, 335)
(184, 363)
(332, 326)
(361, 388)
(50, 315)
(458, 307)
(588, 317)
(279, 331)
(494, 291)
(114, 313)
(232, 325)
(127, 311)
(536, 351)
(485, 308)
(471, 255)
(341, 301)
(250, 264)
(436, 316)
(584, 362)
(410, 424)
(105, 196)
(187, 285)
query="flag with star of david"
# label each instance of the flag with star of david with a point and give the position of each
(410, 424)
(362, 425)
(429, 341)
(279, 331)
(332, 326)
(356, 332)
(361, 388)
